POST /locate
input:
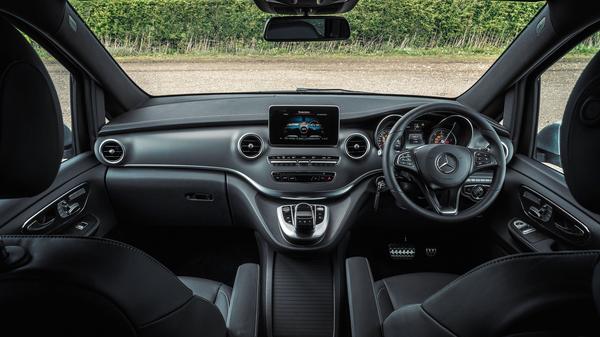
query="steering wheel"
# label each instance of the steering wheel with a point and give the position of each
(443, 168)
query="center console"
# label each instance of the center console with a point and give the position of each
(304, 234)
(303, 222)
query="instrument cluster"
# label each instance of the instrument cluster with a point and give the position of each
(433, 129)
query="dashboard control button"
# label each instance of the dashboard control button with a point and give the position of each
(303, 160)
(303, 177)
(483, 159)
(478, 192)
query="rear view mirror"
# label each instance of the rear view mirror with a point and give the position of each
(309, 28)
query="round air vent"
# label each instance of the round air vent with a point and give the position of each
(357, 146)
(250, 145)
(112, 151)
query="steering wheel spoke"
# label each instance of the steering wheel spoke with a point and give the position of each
(443, 201)
(405, 160)
(482, 160)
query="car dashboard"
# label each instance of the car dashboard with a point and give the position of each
(242, 167)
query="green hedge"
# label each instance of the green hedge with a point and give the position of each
(184, 25)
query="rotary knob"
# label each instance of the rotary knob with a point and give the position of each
(478, 192)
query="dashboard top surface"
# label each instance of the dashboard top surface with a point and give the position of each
(246, 109)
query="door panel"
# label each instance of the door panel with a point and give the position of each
(536, 212)
(94, 215)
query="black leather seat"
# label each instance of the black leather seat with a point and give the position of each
(73, 285)
(527, 295)
(70, 286)
(398, 291)
(215, 292)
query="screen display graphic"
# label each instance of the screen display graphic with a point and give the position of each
(303, 126)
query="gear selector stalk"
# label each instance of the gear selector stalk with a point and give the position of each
(305, 219)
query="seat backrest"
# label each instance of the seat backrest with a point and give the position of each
(58, 286)
(578, 144)
(519, 294)
(578, 137)
(31, 126)
(90, 286)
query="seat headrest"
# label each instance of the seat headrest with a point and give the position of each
(579, 134)
(31, 127)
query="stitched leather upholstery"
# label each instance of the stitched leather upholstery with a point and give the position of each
(550, 294)
(398, 291)
(102, 280)
(70, 285)
(217, 293)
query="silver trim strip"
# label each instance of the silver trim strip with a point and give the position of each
(506, 151)
(265, 190)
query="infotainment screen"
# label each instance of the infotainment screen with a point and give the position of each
(304, 125)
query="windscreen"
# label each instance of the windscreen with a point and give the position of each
(415, 47)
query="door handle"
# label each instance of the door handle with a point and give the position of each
(571, 230)
(199, 197)
(543, 213)
(37, 226)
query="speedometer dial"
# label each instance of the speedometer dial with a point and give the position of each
(442, 136)
(382, 136)
(382, 132)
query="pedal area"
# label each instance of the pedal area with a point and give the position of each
(391, 254)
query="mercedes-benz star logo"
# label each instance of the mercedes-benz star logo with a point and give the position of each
(446, 163)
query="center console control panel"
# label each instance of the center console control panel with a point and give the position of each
(303, 177)
(303, 222)
(304, 160)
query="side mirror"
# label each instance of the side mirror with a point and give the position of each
(547, 144)
(309, 28)
(68, 150)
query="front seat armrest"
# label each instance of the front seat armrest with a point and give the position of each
(242, 320)
(364, 316)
